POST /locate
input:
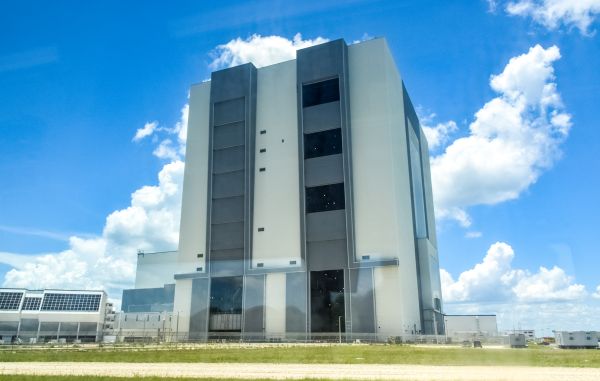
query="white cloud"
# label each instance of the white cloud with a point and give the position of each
(473, 234)
(439, 134)
(597, 293)
(147, 130)
(108, 261)
(554, 13)
(514, 138)
(494, 279)
(259, 50)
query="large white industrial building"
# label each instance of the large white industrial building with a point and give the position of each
(307, 206)
(30, 316)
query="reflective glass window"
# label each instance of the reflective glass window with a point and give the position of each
(323, 143)
(324, 198)
(321, 92)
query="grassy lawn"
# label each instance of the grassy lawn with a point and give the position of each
(338, 354)
(91, 378)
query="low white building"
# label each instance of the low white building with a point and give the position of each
(464, 327)
(31, 316)
(576, 339)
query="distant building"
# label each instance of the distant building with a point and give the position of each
(528, 333)
(45, 315)
(464, 327)
(576, 339)
(307, 205)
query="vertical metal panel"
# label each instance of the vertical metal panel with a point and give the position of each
(295, 303)
(199, 309)
(254, 299)
(362, 300)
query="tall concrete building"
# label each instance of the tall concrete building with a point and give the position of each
(307, 205)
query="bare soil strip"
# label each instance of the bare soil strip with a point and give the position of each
(298, 371)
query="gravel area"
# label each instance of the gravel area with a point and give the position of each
(295, 371)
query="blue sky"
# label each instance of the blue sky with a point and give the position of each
(77, 80)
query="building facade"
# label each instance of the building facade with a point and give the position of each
(307, 205)
(38, 316)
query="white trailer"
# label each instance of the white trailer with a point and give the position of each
(576, 339)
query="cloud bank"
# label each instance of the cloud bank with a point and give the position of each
(553, 14)
(514, 138)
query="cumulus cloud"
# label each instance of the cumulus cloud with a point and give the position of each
(597, 293)
(259, 50)
(494, 279)
(147, 130)
(553, 14)
(438, 134)
(514, 138)
(108, 261)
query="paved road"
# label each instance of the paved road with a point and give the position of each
(295, 371)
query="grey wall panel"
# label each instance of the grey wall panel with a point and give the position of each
(229, 111)
(149, 299)
(228, 184)
(295, 299)
(68, 329)
(324, 170)
(199, 309)
(229, 135)
(254, 300)
(230, 267)
(362, 300)
(232, 83)
(324, 226)
(321, 61)
(327, 255)
(227, 236)
(229, 209)
(321, 117)
(29, 325)
(228, 159)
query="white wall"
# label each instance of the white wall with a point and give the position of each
(469, 325)
(155, 269)
(382, 204)
(382, 201)
(276, 191)
(192, 231)
(275, 305)
(183, 303)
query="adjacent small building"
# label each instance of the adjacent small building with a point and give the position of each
(467, 327)
(576, 339)
(31, 316)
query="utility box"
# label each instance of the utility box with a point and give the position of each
(577, 339)
(517, 340)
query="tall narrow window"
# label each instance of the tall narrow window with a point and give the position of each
(417, 184)
(321, 92)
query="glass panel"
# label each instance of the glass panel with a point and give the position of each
(323, 143)
(417, 185)
(226, 304)
(10, 301)
(327, 301)
(321, 92)
(325, 197)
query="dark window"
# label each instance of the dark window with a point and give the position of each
(327, 301)
(323, 143)
(325, 197)
(263, 150)
(262, 170)
(261, 229)
(262, 132)
(226, 295)
(321, 92)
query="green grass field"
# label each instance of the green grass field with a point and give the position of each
(333, 354)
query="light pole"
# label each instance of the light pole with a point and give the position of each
(340, 328)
